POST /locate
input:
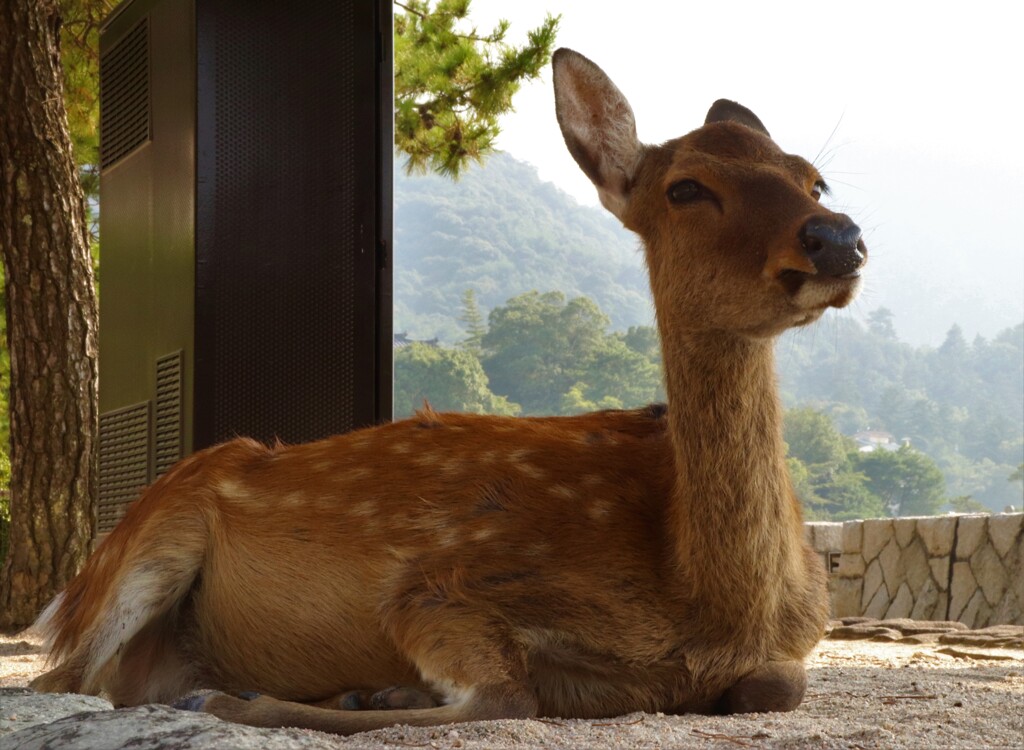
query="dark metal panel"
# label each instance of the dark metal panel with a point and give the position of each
(287, 219)
(148, 209)
(385, 214)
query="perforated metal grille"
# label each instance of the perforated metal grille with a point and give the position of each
(124, 461)
(285, 223)
(167, 413)
(124, 95)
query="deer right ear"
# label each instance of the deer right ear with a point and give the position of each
(598, 126)
(726, 111)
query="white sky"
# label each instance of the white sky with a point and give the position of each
(925, 99)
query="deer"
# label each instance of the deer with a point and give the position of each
(457, 567)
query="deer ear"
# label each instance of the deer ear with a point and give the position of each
(726, 111)
(598, 126)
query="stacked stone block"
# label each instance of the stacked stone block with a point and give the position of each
(966, 568)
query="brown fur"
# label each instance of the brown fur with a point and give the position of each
(579, 567)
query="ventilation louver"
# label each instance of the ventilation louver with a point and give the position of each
(167, 413)
(124, 96)
(124, 461)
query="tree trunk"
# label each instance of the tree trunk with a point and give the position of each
(51, 319)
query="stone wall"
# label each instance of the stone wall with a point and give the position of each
(966, 568)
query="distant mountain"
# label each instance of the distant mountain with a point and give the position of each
(502, 231)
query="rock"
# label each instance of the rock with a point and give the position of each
(969, 534)
(927, 598)
(915, 566)
(904, 530)
(892, 565)
(963, 588)
(877, 533)
(1004, 531)
(864, 632)
(846, 596)
(994, 636)
(902, 604)
(879, 603)
(828, 537)
(976, 613)
(937, 534)
(155, 728)
(989, 573)
(851, 565)
(872, 582)
(853, 533)
(21, 708)
(940, 571)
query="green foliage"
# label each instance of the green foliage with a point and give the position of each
(453, 83)
(450, 379)
(813, 438)
(822, 472)
(554, 356)
(966, 504)
(907, 481)
(960, 404)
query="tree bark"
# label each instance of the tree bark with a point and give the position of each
(51, 319)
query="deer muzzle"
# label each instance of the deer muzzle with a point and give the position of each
(834, 246)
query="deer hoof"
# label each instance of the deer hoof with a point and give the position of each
(775, 686)
(401, 698)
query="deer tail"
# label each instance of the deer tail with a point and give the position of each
(142, 572)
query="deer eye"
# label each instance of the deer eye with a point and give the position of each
(686, 191)
(819, 189)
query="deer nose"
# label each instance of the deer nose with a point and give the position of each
(833, 244)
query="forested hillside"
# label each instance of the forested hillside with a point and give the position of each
(501, 231)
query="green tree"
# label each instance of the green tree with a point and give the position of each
(473, 322)
(449, 379)
(907, 481)
(813, 438)
(452, 84)
(821, 470)
(967, 504)
(555, 357)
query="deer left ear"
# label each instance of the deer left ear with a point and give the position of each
(726, 111)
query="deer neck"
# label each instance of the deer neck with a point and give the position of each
(733, 515)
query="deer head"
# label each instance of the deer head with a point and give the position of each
(734, 235)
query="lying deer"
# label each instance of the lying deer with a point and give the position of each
(497, 567)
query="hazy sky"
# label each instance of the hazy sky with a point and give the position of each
(924, 100)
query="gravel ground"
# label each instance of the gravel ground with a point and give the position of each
(863, 694)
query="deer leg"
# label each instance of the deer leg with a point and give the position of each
(775, 686)
(460, 652)
(388, 699)
(497, 701)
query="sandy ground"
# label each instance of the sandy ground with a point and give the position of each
(862, 695)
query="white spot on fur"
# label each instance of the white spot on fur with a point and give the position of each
(363, 508)
(530, 470)
(447, 537)
(232, 489)
(562, 490)
(483, 534)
